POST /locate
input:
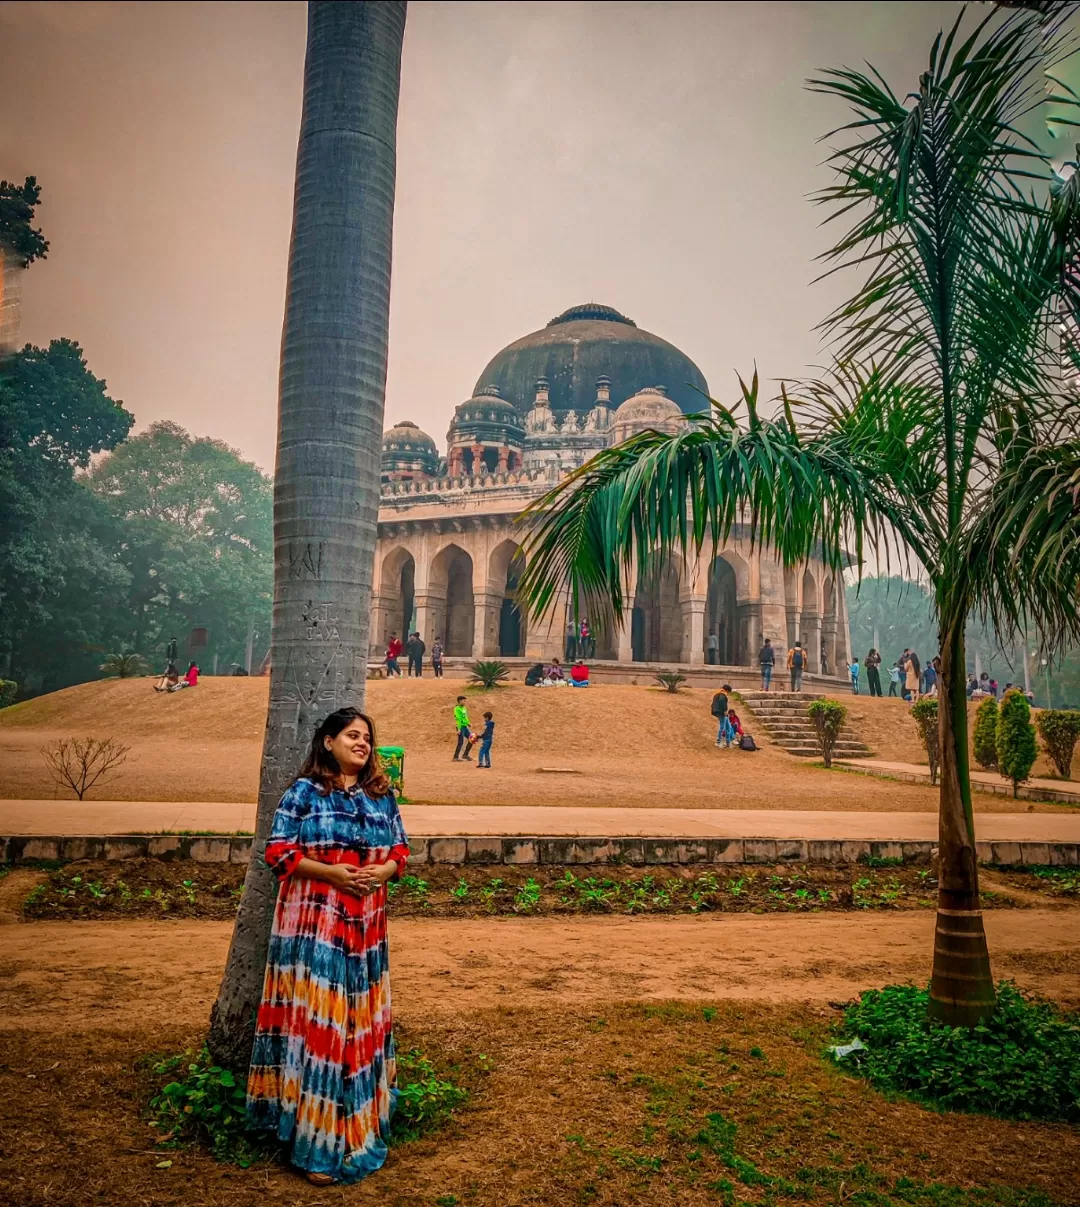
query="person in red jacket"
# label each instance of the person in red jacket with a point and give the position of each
(579, 674)
(393, 653)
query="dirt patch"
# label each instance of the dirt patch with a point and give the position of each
(153, 888)
(665, 1103)
(606, 736)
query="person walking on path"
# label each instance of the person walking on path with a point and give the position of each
(853, 671)
(486, 738)
(873, 672)
(719, 710)
(393, 653)
(914, 677)
(796, 661)
(436, 658)
(416, 650)
(464, 732)
(767, 660)
(323, 1068)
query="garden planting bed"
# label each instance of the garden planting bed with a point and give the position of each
(151, 888)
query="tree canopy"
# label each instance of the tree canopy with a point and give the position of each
(17, 232)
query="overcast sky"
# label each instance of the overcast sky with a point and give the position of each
(652, 156)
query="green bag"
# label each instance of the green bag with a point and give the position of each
(392, 759)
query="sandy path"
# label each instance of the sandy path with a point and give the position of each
(74, 976)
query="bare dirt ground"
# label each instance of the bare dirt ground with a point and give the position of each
(625, 745)
(611, 1044)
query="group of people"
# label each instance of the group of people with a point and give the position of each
(466, 739)
(798, 661)
(580, 642)
(985, 687)
(553, 674)
(730, 730)
(171, 679)
(414, 650)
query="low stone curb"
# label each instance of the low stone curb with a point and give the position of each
(1055, 795)
(492, 849)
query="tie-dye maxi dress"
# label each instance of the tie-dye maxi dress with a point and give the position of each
(322, 1068)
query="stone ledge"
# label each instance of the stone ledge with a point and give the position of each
(533, 850)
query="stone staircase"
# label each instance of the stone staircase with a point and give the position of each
(783, 717)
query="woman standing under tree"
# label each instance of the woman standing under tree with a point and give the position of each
(323, 1069)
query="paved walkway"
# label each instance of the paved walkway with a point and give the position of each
(63, 818)
(1065, 791)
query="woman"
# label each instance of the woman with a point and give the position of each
(872, 663)
(914, 676)
(322, 1068)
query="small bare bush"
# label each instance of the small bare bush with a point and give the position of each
(79, 763)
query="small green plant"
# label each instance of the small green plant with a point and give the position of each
(425, 1100)
(9, 689)
(489, 674)
(1023, 1062)
(124, 666)
(528, 897)
(205, 1102)
(984, 734)
(460, 891)
(670, 680)
(925, 715)
(1059, 729)
(1016, 744)
(827, 718)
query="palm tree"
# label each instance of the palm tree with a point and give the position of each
(944, 383)
(330, 420)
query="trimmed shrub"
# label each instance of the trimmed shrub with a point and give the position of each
(489, 675)
(671, 680)
(827, 718)
(9, 689)
(1023, 1062)
(1059, 729)
(985, 735)
(1016, 744)
(925, 715)
(124, 666)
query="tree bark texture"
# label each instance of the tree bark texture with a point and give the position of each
(330, 421)
(962, 985)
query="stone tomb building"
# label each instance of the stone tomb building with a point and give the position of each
(449, 552)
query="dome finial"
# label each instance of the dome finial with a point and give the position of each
(594, 311)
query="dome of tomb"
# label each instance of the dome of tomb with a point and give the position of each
(407, 452)
(649, 410)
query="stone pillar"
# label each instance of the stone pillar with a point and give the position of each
(750, 635)
(431, 614)
(693, 625)
(477, 462)
(487, 607)
(545, 636)
(811, 639)
(377, 629)
(504, 456)
(11, 278)
(624, 650)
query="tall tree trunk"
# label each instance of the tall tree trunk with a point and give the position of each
(330, 419)
(962, 985)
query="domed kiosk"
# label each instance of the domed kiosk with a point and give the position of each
(583, 344)
(452, 535)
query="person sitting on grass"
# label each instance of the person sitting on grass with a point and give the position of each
(554, 673)
(190, 679)
(486, 738)
(579, 674)
(169, 680)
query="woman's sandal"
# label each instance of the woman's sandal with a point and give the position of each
(321, 1179)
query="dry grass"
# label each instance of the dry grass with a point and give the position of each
(668, 1103)
(628, 745)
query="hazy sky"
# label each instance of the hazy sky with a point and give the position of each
(652, 156)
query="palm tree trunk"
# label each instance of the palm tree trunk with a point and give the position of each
(962, 985)
(330, 420)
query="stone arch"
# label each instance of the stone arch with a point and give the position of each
(505, 567)
(810, 599)
(451, 576)
(397, 591)
(726, 615)
(656, 626)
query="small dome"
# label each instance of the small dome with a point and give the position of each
(487, 417)
(407, 452)
(649, 409)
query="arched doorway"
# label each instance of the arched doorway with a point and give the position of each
(452, 571)
(397, 591)
(656, 619)
(721, 615)
(511, 617)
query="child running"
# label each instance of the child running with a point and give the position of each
(486, 738)
(464, 733)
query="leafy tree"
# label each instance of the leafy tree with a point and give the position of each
(827, 718)
(1059, 730)
(333, 379)
(1016, 745)
(54, 416)
(945, 381)
(925, 714)
(196, 533)
(9, 689)
(17, 233)
(901, 611)
(984, 737)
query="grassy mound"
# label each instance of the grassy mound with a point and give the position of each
(1022, 1063)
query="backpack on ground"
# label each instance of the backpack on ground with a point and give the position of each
(746, 742)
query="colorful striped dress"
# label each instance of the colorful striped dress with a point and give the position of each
(322, 1068)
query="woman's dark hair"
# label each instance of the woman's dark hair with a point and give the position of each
(322, 768)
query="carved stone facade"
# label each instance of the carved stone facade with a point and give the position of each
(450, 542)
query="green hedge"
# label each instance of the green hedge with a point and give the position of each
(985, 734)
(1016, 744)
(1059, 729)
